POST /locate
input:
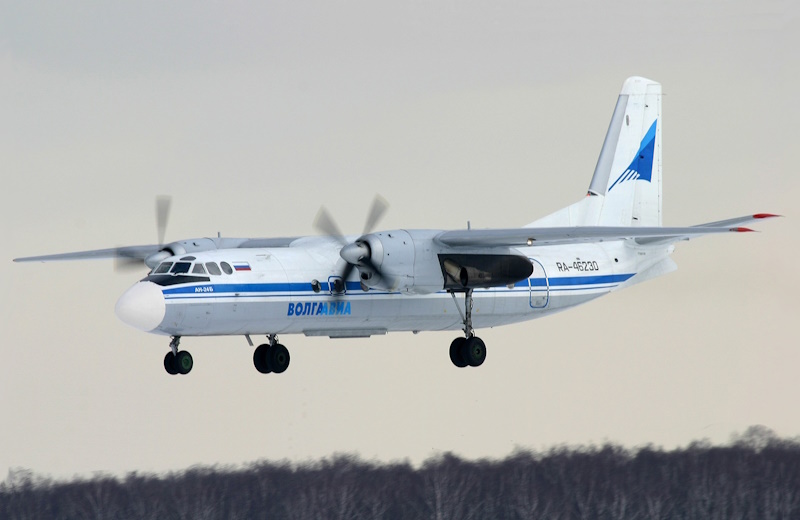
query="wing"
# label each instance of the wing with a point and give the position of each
(127, 252)
(142, 252)
(741, 220)
(533, 236)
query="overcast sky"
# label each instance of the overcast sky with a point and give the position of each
(252, 116)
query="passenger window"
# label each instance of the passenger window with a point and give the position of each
(198, 269)
(226, 267)
(163, 268)
(181, 267)
(213, 268)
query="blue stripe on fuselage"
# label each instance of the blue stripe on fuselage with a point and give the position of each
(575, 280)
(251, 288)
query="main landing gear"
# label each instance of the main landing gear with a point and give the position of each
(469, 350)
(176, 362)
(271, 357)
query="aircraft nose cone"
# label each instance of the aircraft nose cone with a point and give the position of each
(142, 306)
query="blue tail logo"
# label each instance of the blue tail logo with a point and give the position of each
(641, 168)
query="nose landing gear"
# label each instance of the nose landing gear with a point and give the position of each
(177, 362)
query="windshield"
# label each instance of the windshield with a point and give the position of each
(181, 267)
(192, 268)
(163, 268)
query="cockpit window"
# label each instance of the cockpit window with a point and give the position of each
(163, 268)
(198, 269)
(213, 268)
(226, 267)
(181, 267)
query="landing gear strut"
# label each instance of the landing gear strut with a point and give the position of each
(271, 357)
(177, 362)
(469, 350)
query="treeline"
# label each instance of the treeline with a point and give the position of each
(755, 477)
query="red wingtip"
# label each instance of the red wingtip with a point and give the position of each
(743, 230)
(765, 215)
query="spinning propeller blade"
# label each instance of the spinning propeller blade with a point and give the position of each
(126, 262)
(163, 203)
(125, 257)
(379, 207)
(327, 226)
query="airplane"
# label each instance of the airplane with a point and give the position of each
(353, 286)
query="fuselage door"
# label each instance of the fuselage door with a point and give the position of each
(539, 286)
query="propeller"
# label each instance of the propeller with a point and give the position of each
(163, 203)
(376, 212)
(358, 253)
(325, 224)
(127, 261)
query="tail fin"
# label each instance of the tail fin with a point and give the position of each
(626, 186)
(628, 171)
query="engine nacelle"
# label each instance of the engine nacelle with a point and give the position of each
(391, 260)
(193, 245)
(412, 261)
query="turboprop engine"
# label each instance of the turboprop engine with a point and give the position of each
(183, 247)
(396, 261)
(413, 261)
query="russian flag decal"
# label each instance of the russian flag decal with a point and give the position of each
(241, 266)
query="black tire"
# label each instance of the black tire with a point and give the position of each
(474, 351)
(169, 364)
(456, 348)
(184, 362)
(260, 359)
(278, 357)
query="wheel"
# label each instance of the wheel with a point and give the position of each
(183, 362)
(278, 357)
(260, 359)
(169, 364)
(474, 351)
(455, 352)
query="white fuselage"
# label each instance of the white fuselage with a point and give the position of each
(287, 290)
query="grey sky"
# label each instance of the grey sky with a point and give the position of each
(252, 116)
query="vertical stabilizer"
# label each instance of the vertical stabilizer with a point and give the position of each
(628, 171)
(626, 185)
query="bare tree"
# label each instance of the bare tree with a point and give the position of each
(756, 477)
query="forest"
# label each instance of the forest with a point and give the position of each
(755, 476)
